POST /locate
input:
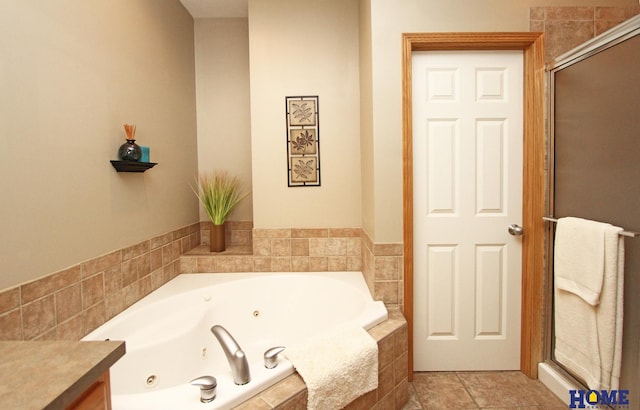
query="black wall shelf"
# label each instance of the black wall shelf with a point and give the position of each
(132, 166)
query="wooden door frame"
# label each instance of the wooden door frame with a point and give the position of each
(532, 44)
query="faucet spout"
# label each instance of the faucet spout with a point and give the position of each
(236, 357)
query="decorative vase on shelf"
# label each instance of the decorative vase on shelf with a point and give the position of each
(217, 238)
(130, 151)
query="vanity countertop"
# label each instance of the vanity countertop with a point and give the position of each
(52, 374)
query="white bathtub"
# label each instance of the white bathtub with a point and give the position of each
(169, 342)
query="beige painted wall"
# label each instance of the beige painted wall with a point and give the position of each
(305, 48)
(366, 119)
(71, 74)
(222, 90)
(389, 19)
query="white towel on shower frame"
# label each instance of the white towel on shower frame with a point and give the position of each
(579, 257)
(588, 338)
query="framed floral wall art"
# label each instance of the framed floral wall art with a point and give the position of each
(303, 141)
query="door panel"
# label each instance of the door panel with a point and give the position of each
(467, 173)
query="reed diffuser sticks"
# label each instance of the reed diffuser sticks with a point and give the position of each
(130, 130)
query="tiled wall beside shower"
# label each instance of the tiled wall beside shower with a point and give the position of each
(568, 27)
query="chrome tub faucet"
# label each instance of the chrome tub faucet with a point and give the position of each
(236, 357)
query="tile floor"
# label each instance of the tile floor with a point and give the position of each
(479, 390)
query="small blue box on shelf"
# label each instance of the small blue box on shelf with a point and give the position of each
(145, 154)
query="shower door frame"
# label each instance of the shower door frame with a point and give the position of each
(609, 39)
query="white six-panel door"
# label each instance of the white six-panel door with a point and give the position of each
(467, 189)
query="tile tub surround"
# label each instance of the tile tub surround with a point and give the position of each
(68, 304)
(392, 391)
(303, 250)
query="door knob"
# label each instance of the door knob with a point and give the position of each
(515, 230)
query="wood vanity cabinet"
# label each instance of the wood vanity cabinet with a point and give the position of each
(96, 397)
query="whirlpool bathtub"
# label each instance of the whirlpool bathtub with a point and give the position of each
(169, 342)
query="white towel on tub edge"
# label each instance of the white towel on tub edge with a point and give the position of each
(337, 366)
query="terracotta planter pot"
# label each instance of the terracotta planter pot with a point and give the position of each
(216, 238)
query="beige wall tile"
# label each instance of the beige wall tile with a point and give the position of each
(310, 233)
(157, 278)
(281, 264)
(188, 265)
(354, 246)
(155, 259)
(536, 26)
(386, 351)
(113, 279)
(68, 302)
(71, 329)
(206, 264)
(300, 264)
(115, 303)
(536, 13)
(569, 13)
(262, 264)
(271, 233)
(401, 393)
(604, 25)
(401, 367)
(317, 247)
(386, 292)
(50, 284)
(386, 268)
(563, 35)
(11, 325)
(224, 264)
(610, 13)
(9, 300)
(282, 392)
(241, 237)
(101, 263)
(336, 247)
(135, 250)
(255, 403)
(167, 254)
(146, 286)
(386, 380)
(300, 247)
(318, 264)
(344, 232)
(38, 317)
(129, 270)
(160, 240)
(261, 246)
(143, 264)
(93, 317)
(336, 263)
(244, 264)
(281, 247)
(387, 249)
(401, 338)
(354, 264)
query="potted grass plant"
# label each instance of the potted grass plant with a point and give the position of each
(219, 193)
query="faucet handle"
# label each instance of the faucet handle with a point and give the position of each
(207, 386)
(271, 357)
